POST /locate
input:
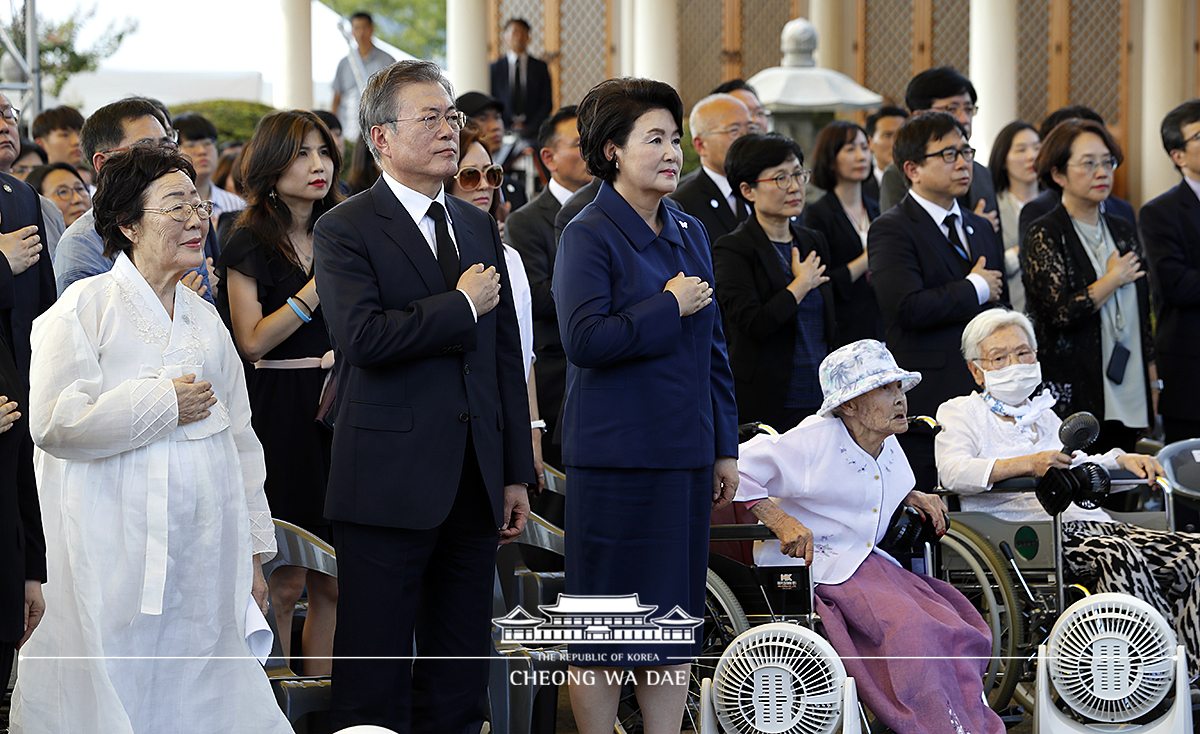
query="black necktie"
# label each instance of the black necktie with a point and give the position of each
(953, 236)
(517, 98)
(446, 254)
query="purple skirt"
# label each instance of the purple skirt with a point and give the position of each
(915, 646)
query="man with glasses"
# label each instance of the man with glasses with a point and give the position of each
(111, 130)
(1170, 226)
(716, 121)
(198, 141)
(945, 90)
(487, 114)
(934, 265)
(432, 452)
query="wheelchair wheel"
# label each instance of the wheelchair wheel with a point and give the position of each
(972, 566)
(724, 619)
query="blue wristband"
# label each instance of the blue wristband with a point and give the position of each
(306, 319)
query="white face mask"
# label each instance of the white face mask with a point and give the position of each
(1013, 384)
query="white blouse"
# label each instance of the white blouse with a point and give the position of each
(973, 438)
(817, 474)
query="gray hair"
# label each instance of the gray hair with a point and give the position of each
(701, 119)
(986, 323)
(379, 103)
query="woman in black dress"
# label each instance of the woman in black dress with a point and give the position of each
(771, 284)
(289, 176)
(841, 163)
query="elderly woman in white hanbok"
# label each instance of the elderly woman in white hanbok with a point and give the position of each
(1006, 431)
(151, 485)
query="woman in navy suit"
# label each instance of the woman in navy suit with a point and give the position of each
(841, 163)
(771, 286)
(649, 421)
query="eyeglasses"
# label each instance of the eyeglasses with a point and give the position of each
(1188, 140)
(12, 114)
(735, 131)
(999, 362)
(199, 143)
(183, 212)
(66, 193)
(1090, 165)
(951, 154)
(955, 109)
(784, 180)
(456, 121)
(471, 178)
(170, 140)
(20, 169)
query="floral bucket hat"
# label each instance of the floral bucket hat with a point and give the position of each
(857, 369)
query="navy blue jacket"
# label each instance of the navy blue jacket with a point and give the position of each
(645, 388)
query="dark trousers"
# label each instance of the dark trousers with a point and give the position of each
(1180, 429)
(437, 583)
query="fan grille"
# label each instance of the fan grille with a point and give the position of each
(1112, 657)
(779, 679)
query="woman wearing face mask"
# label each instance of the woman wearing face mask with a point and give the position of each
(1009, 431)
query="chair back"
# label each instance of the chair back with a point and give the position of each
(297, 547)
(1181, 461)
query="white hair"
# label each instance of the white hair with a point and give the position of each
(986, 324)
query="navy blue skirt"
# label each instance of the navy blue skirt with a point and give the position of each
(644, 532)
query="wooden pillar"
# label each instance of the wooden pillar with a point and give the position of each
(493, 28)
(612, 39)
(731, 39)
(922, 36)
(552, 45)
(1058, 92)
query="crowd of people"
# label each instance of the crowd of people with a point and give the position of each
(206, 339)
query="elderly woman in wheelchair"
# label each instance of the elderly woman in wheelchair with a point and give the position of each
(827, 488)
(1006, 431)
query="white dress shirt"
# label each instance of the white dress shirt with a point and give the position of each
(939, 214)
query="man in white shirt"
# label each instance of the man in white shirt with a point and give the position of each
(716, 121)
(354, 71)
(530, 231)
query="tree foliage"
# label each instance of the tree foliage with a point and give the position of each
(58, 48)
(415, 26)
(234, 119)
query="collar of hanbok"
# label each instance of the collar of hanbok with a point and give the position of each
(1025, 415)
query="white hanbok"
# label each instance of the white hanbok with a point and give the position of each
(151, 527)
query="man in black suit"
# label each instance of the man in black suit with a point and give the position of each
(934, 265)
(945, 90)
(1171, 236)
(530, 231)
(1044, 202)
(431, 453)
(716, 121)
(522, 82)
(881, 130)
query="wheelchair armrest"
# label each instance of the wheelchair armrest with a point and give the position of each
(1016, 484)
(739, 532)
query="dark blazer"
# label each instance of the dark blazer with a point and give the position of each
(539, 98)
(699, 196)
(22, 545)
(1044, 203)
(894, 187)
(530, 231)
(33, 291)
(645, 388)
(1056, 272)
(925, 298)
(871, 187)
(574, 205)
(1170, 227)
(858, 315)
(760, 314)
(416, 375)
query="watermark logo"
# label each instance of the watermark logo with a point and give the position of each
(598, 619)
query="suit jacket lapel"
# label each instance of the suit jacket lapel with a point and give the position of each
(468, 240)
(931, 233)
(401, 229)
(1191, 210)
(767, 254)
(724, 213)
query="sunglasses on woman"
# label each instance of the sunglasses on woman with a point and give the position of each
(471, 178)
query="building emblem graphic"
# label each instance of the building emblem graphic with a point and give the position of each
(598, 619)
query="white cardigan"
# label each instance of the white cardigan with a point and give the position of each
(817, 474)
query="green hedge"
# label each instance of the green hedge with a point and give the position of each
(235, 119)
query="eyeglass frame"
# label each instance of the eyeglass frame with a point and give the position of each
(784, 180)
(205, 206)
(971, 110)
(16, 115)
(1020, 355)
(170, 140)
(1089, 166)
(197, 142)
(751, 129)
(482, 176)
(967, 154)
(436, 120)
(79, 190)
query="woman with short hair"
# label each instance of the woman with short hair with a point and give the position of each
(62, 184)
(1016, 180)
